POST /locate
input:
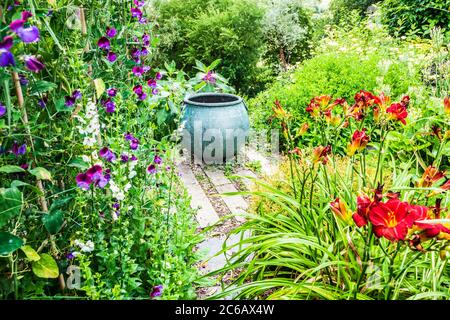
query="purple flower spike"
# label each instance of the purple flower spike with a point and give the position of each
(107, 154)
(28, 35)
(157, 291)
(151, 169)
(157, 159)
(33, 64)
(111, 32)
(2, 110)
(111, 56)
(103, 43)
(83, 181)
(112, 92)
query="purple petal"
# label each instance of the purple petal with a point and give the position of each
(70, 101)
(103, 43)
(158, 76)
(157, 159)
(83, 181)
(151, 169)
(2, 110)
(152, 83)
(7, 43)
(33, 64)
(136, 13)
(139, 3)
(77, 94)
(111, 32)
(22, 149)
(16, 24)
(111, 56)
(26, 15)
(112, 92)
(28, 35)
(6, 58)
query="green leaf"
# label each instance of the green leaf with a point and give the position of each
(45, 267)
(31, 254)
(53, 221)
(41, 173)
(9, 243)
(161, 116)
(10, 204)
(60, 105)
(78, 163)
(18, 183)
(11, 169)
(99, 87)
(41, 86)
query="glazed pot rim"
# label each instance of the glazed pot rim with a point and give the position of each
(237, 100)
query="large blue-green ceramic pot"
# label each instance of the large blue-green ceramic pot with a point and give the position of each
(215, 126)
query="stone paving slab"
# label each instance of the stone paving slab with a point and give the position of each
(235, 203)
(246, 173)
(206, 215)
(216, 176)
(268, 165)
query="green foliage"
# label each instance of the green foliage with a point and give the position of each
(416, 17)
(207, 30)
(341, 9)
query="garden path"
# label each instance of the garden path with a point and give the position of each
(205, 184)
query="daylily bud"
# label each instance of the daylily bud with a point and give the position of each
(359, 141)
(339, 207)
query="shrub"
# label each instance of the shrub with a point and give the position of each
(416, 17)
(340, 9)
(207, 30)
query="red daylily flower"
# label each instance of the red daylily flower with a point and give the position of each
(447, 105)
(397, 111)
(360, 217)
(392, 219)
(339, 207)
(320, 154)
(430, 177)
(359, 141)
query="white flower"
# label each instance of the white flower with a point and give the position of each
(89, 141)
(132, 174)
(127, 187)
(86, 158)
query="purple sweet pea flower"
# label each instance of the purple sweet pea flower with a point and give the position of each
(18, 150)
(49, 13)
(43, 102)
(28, 35)
(210, 77)
(6, 57)
(83, 181)
(133, 158)
(112, 92)
(128, 136)
(156, 291)
(155, 91)
(16, 25)
(24, 166)
(142, 20)
(103, 43)
(107, 154)
(70, 256)
(151, 83)
(135, 54)
(144, 51)
(33, 64)
(26, 15)
(103, 181)
(134, 144)
(151, 169)
(138, 71)
(109, 105)
(111, 32)
(116, 205)
(146, 39)
(158, 76)
(111, 56)
(2, 110)
(95, 173)
(136, 13)
(69, 101)
(139, 3)
(77, 94)
(157, 159)
(23, 80)
(139, 92)
(124, 158)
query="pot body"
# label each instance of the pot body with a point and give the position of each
(214, 126)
